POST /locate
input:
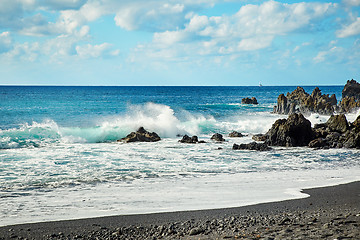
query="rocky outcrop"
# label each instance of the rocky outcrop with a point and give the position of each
(217, 137)
(247, 100)
(260, 137)
(350, 97)
(141, 135)
(337, 133)
(252, 146)
(296, 131)
(337, 123)
(351, 89)
(235, 134)
(349, 104)
(301, 102)
(292, 132)
(193, 139)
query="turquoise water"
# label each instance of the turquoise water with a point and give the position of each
(59, 158)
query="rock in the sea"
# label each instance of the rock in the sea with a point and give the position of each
(217, 137)
(235, 134)
(337, 123)
(141, 135)
(351, 89)
(187, 139)
(252, 146)
(291, 132)
(247, 100)
(301, 102)
(350, 97)
(318, 143)
(260, 137)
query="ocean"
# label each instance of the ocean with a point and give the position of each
(59, 158)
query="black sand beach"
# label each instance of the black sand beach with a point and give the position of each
(329, 213)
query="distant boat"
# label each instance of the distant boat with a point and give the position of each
(260, 85)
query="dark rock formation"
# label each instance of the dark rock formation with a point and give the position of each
(291, 132)
(141, 135)
(252, 146)
(217, 137)
(247, 100)
(260, 137)
(301, 102)
(351, 89)
(318, 143)
(337, 123)
(337, 133)
(235, 134)
(350, 97)
(348, 104)
(187, 139)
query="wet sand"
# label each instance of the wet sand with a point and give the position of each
(329, 213)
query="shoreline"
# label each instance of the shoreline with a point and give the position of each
(328, 213)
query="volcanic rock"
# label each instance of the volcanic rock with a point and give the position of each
(141, 135)
(247, 100)
(187, 139)
(351, 89)
(252, 146)
(318, 143)
(259, 137)
(337, 123)
(301, 102)
(235, 134)
(217, 137)
(291, 132)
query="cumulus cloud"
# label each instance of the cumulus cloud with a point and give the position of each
(252, 28)
(24, 16)
(350, 30)
(95, 51)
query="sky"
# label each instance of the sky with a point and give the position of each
(170, 43)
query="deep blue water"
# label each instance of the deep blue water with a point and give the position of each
(83, 106)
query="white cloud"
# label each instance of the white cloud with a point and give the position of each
(334, 54)
(252, 28)
(96, 51)
(350, 30)
(150, 15)
(62, 4)
(352, 3)
(5, 42)
(251, 44)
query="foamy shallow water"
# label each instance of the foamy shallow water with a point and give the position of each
(87, 180)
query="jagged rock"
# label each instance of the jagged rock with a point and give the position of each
(333, 140)
(252, 146)
(291, 132)
(217, 137)
(301, 102)
(141, 135)
(235, 134)
(318, 143)
(247, 100)
(187, 139)
(351, 139)
(337, 123)
(260, 137)
(282, 106)
(349, 104)
(351, 89)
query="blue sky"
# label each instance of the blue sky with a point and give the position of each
(197, 42)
